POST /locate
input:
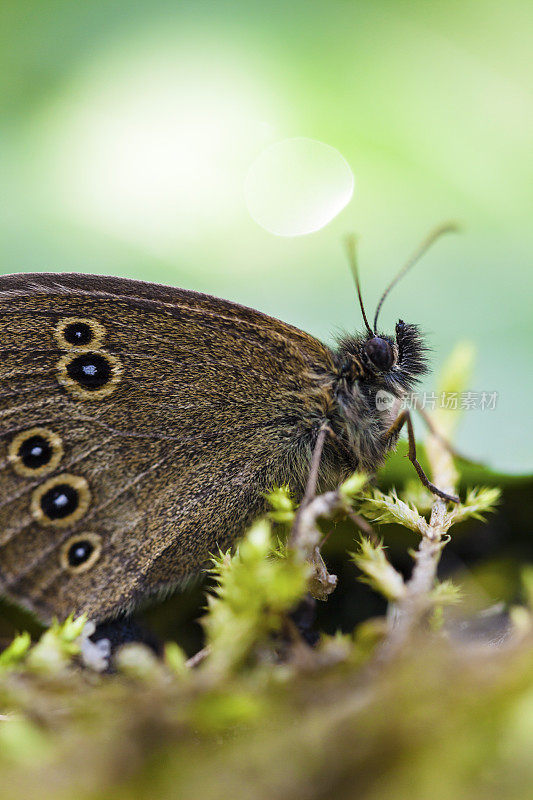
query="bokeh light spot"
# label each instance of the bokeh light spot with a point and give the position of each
(297, 186)
(154, 150)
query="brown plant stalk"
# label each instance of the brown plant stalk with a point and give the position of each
(406, 614)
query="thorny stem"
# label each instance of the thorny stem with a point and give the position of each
(306, 537)
(405, 615)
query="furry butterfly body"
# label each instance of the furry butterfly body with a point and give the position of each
(141, 426)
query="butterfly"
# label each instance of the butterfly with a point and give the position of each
(141, 427)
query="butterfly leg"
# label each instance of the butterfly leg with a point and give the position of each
(312, 480)
(405, 419)
(304, 615)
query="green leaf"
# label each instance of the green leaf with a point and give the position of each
(256, 588)
(176, 659)
(446, 593)
(57, 646)
(353, 486)
(378, 572)
(283, 506)
(479, 502)
(388, 509)
(16, 651)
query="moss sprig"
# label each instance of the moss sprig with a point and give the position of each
(256, 588)
(377, 571)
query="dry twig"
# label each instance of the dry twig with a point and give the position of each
(405, 615)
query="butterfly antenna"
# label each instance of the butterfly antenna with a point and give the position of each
(351, 251)
(447, 227)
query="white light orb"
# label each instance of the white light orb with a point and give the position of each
(297, 186)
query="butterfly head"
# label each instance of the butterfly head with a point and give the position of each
(393, 363)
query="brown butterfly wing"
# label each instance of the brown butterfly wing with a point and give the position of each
(139, 427)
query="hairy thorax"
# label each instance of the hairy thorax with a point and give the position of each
(363, 414)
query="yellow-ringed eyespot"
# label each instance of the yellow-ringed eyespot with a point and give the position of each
(35, 452)
(78, 332)
(61, 501)
(89, 374)
(80, 552)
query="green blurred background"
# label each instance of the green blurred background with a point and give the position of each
(129, 129)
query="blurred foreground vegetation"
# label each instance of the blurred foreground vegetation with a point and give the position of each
(266, 716)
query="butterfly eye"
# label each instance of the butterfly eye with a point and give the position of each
(90, 375)
(61, 500)
(79, 553)
(380, 353)
(77, 332)
(35, 452)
